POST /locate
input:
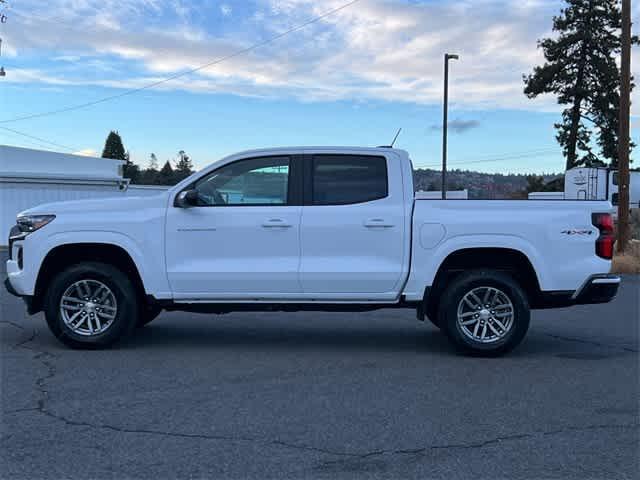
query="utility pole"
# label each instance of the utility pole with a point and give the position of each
(445, 121)
(2, 73)
(623, 135)
(3, 19)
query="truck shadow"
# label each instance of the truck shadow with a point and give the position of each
(290, 338)
(335, 337)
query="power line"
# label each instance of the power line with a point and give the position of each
(30, 143)
(39, 139)
(499, 159)
(187, 72)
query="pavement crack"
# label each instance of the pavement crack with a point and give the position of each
(520, 436)
(590, 342)
(13, 324)
(20, 410)
(44, 358)
(475, 445)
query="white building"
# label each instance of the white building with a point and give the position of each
(32, 177)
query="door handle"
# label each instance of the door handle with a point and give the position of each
(378, 223)
(276, 223)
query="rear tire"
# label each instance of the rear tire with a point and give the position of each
(91, 305)
(485, 313)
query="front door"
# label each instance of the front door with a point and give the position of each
(241, 241)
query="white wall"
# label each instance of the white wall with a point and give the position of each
(145, 190)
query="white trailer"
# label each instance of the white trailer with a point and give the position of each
(599, 183)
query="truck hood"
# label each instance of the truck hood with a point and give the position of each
(110, 204)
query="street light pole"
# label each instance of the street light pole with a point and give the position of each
(445, 121)
(623, 135)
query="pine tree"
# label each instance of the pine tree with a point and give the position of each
(166, 175)
(581, 70)
(150, 174)
(130, 170)
(184, 167)
(153, 162)
(114, 148)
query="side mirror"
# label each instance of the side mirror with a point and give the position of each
(186, 199)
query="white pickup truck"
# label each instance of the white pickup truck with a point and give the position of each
(329, 229)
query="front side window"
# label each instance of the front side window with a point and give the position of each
(346, 179)
(256, 181)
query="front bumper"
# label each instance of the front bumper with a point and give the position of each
(10, 289)
(28, 299)
(597, 289)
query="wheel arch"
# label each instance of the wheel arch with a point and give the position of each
(510, 260)
(62, 256)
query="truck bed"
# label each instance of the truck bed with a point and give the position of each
(557, 236)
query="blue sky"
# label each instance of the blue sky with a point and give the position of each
(353, 78)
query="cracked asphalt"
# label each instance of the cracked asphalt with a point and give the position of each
(311, 395)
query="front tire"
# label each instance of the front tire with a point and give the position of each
(91, 305)
(148, 313)
(484, 312)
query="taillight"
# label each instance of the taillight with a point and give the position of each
(604, 244)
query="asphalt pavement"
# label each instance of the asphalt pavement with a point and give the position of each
(315, 395)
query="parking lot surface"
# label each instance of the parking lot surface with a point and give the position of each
(314, 395)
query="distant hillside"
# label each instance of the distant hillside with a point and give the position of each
(480, 185)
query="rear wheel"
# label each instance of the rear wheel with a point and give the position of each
(91, 305)
(484, 312)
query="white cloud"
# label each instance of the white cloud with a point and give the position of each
(86, 152)
(376, 49)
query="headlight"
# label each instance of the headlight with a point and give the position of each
(31, 223)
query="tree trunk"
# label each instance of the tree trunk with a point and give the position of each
(572, 142)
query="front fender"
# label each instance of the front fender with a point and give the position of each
(149, 261)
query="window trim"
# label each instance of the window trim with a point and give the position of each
(309, 177)
(294, 190)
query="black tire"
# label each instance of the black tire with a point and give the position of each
(148, 313)
(453, 297)
(125, 296)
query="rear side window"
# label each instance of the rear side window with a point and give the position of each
(345, 179)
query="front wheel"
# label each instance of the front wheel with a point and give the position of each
(148, 313)
(485, 312)
(91, 305)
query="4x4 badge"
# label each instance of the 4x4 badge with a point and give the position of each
(577, 232)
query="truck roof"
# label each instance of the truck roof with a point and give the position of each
(307, 149)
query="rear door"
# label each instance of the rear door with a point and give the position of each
(353, 227)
